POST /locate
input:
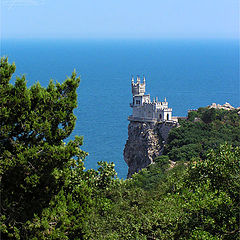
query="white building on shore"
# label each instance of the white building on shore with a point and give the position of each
(144, 109)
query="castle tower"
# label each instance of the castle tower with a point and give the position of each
(138, 88)
(138, 92)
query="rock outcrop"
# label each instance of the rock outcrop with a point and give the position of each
(226, 106)
(145, 142)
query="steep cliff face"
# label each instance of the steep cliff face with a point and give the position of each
(144, 144)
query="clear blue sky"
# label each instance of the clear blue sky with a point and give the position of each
(119, 18)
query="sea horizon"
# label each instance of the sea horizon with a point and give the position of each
(191, 73)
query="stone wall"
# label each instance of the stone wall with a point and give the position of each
(152, 110)
(145, 111)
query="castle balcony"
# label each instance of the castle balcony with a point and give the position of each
(151, 120)
(141, 119)
(167, 109)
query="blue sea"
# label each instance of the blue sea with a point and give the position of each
(189, 73)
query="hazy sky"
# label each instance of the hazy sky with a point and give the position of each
(119, 18)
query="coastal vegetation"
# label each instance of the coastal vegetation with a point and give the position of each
(204, 129)
(46, 193)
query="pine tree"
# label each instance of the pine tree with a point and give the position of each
(35, 163)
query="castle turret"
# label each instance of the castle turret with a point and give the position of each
(138, 88)
(138, 92)
(138, 79)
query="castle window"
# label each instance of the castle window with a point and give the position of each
(160, 116)
(137, 101)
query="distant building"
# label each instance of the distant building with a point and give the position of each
(146, 110)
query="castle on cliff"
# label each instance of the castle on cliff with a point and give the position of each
(145, 110)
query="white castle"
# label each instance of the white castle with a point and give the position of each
(146, 111)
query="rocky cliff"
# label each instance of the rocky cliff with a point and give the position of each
(145, 142)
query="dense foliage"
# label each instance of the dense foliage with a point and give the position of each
(204, 129)
(47, 194)
(195, 201)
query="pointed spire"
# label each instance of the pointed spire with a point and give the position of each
(165, 99)
(144, 79)
(132, 79)
(138, 79)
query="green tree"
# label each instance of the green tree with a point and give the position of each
(209, 194)
(209, 115)
(194, 139)
(35, 161)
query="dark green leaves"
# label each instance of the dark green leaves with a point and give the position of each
(195, 137)
(35, 162)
